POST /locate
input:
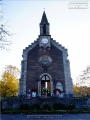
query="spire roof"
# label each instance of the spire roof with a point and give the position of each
(44, 18)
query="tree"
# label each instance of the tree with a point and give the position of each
(82, 87)
(9, 82)
(81, 91)
(4, 33)
(84, 78)
(76, 91)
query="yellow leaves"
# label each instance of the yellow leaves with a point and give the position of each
(76, 91)
(9, 82)
(80, 91)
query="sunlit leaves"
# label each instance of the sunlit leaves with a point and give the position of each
(81, 91)
(9, 82)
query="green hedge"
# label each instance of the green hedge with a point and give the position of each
(59, 106)
(24, 107)
(35, 107)
(56, 108)
(44, 111)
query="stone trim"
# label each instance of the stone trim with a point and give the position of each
(51, 85)
(57, 45)
(45, 74)
(68, 80)
(39, 88)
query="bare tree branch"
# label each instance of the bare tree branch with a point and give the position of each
(4, 33)
(84, 78)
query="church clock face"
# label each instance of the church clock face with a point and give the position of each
(44, 40)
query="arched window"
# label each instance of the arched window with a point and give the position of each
(45, 77)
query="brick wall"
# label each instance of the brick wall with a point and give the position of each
(34, 70)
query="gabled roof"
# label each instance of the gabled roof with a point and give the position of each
(56, 44)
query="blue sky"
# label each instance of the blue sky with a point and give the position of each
(69, 27)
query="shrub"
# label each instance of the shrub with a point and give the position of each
(46, 107)
(71, 107)
(24, 107)
(59, 106)
(35, 107)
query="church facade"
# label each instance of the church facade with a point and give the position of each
(45, 65)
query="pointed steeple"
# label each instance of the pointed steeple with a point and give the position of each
(44, 18)
(44, 25)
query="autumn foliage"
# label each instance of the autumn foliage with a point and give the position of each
(82, 87)
(9, 82)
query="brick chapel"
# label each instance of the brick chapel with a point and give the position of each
(45, 64)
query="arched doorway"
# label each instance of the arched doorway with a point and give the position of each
(45, 83)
